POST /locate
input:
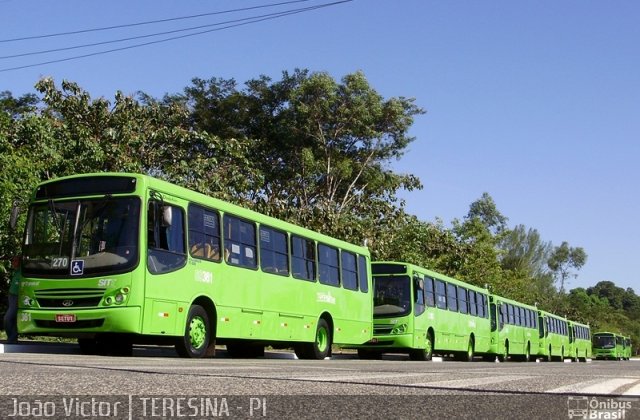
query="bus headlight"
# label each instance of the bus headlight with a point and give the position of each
(399, 329)
(118, 297)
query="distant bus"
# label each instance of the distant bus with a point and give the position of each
(115, 259)
(627, 348)
(421, 312)
(579, 341)
(514, 328)
(608, 345)
(553, 333)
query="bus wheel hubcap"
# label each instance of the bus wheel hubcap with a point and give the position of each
(197, 332)
(322, 339)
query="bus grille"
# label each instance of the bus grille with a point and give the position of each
(69, 298)
(382, 329)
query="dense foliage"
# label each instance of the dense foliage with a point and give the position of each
(306, 148)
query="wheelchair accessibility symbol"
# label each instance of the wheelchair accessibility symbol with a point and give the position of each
(77, 267)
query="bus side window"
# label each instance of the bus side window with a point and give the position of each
(429, 296)
(240, 242)
(418, 291)
(541, 332)
(492, 309)
(363, 277)
(441, 295)
(328, 265)
(274, 251)
(452, 297)
(166, 242)
(473, 310)
(349, 271)
(204, 233)
(462, 300)
(303, 258)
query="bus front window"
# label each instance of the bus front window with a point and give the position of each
(102, 233)
(604, 342)
(392, 296)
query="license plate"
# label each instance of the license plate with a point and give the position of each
(65, 317)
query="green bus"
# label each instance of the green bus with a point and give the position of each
(115, 259)
(627, 348)
(419, 312)
(514, 328)
(579, 341)
(553, 333)
(608, 345)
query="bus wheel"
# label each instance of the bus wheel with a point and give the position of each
(527, 354)
(470, 352)
(197, 334)
(505, 352)
(549, 355)
(418, 355)
(425, 354)
(320, 348)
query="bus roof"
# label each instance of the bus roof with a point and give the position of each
(425, 271)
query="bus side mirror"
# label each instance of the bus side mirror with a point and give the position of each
(15, 213)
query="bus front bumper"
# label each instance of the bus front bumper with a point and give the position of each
(126, 319)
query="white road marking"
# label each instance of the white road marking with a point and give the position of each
(595, 386)
(466, 383)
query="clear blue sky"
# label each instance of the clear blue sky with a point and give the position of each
(535, 102)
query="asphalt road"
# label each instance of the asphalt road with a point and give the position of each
(156, 384)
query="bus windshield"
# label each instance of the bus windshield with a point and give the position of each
(81, 237)
(392, 296)
(604, 342)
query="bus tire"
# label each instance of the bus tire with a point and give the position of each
(320, 348)
(425, 354)
(527, 354)
(418, 355)
(505, 352)
(197, 338)
(429, 346)
(470, 350)
(549, 355)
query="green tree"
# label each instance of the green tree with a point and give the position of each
(524, 251)
(486, 210)
(563, 260)
(321, 147)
